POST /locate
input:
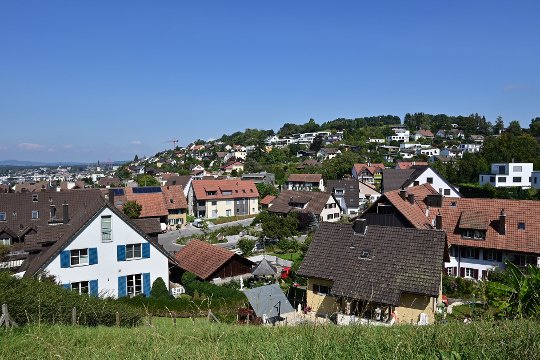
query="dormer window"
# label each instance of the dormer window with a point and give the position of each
(474, 234)
(521, 226)
(211, 193)
(34, 197)
(2, 216)
(35, 214)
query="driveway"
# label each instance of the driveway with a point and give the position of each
(168, 240)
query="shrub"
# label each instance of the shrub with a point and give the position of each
(159, 289)
(246, 246)
(34, 301)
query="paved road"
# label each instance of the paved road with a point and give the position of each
(168, 240)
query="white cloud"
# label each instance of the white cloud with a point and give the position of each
(136, 142)
(30, 146)
(68, 146)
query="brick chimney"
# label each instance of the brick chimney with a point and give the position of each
(65, 208)
(410, 197)
(403, 193)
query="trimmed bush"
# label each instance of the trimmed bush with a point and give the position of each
(159, 289)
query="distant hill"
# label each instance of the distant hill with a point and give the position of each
(60, 163)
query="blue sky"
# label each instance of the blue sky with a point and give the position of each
(100, 80)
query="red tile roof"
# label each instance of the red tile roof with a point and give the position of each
(473, 213)
(313, 178)
(407, 164)
(238, 189)
(267, 200)
(202, 259)
(372, 168)
(155, 204)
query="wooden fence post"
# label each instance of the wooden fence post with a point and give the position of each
(5, 319)
(74, 316)
(117, 318)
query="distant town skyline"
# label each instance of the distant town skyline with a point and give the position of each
(105, 81)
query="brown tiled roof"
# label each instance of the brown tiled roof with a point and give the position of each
(425, 133)
(315, 202)
(238, 188)
(109, 181)
(154, 204)
(267, 200)
(487, 211)
(407, 164)
(174, 197)
(148, 226)
(312, 178)
(33, 186)
(379, 265)
(174, 179)
(372, 168)
(203, 259)
(351, 190)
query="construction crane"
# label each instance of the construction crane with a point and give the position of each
(174, 142)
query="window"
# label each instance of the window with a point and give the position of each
(79, 257)
(80, 287)
(2, 216)
(521, 226)
(321, 289)
(133, 251)
(34, 197)
(502, 169)
(5, 241)
(214, 203)
(469, 253)
(492, 255)
(469, 272)
(492, 179)
(535, 179)
(473, 234)
(329, 216)
(339, 192)
(446, 192)
(502, 179)
(416, 183)
(518, 169)
(226, 192)
(516, 179)
(201, 203)
(429, 180)
(211, 193)
(106, 228)
(35, 214)
(134, 285)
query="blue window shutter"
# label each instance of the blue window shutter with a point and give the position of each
(65, 260)
(146, 250)
(92, 255)
(146, 284)
(94, 291)
(122, 286)
(66, 286)
(121, 252)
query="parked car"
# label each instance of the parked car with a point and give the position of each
(198, 223)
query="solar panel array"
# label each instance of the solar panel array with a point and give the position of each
(147, 190)
(118, 192)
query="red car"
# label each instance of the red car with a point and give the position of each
(445, 300)
(285, 272)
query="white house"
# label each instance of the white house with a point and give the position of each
(535, 179)
(430, 151)
(394, 179)
(400, 135)
(470, 148)
(91, 247)
(508, 175)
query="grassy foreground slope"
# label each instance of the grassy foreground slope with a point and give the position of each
(202, 340)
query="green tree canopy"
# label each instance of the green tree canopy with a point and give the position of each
(132, 209)
(146, 180)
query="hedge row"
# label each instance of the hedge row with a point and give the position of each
(31, 301)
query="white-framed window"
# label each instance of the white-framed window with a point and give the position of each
(133, 251)
(446, 192)
(502, 179)
(429, 180)
(106, 228)
(449, 271)
(518, 169)
(516, 179)
(214, 203)
(79, 257)
(228, 212)
(35, 214)
(80, 287)
(329, 216)
(469, 272)
(2, 216)
(134, 285)
(5, 241)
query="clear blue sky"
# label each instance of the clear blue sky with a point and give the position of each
(98, 80)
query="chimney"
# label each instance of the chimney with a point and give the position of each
(403, 193)
(360, 226)
(502, 223)
(65, 208)
(438, 221)
(111, 196)
(410, 197)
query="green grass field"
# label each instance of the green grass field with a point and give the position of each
(203, 340)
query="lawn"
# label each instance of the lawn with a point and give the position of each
(227, 219)
(200, 339)
(288, 256)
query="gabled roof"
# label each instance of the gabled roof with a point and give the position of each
(156, 203)
(268, 300)
(408, 164)
(203, 259)
(351, 190)
(315, 202)
(425, 133)
(61, 235)
(371, 168)
(312, 178)
(238, 189)
(476, 213)
(378, 265)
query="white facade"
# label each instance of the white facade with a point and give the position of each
(452, 153)
(431, 177)
(429, 151)
(470, 148)
(108, 270)
(400, 135)
(508, 175)
(331, 211)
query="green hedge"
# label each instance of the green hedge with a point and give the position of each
(33, 301)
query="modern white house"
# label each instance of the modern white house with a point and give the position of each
(509, 175)
(470, 148)
(88, 245)
(400, 135)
